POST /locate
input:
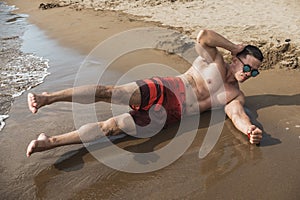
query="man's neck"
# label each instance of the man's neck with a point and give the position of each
(229, 76)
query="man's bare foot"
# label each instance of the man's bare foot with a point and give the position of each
(42, 143)
(36, 101)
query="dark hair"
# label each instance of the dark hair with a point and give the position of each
(253, 51)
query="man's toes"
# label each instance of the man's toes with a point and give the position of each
(33, 109)
(30, 97)
(31, 103)
(42, 136)
(30, 147)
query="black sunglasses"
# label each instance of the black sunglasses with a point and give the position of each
(248, 68)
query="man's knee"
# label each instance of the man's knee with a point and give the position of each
(127, 94)
(90, 132)
(109, 127)
(125, 124)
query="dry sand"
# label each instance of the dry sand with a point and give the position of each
(233, 170)
(266, 23)
(273, 25)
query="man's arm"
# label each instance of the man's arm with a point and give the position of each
(235, 111)
(209, 40)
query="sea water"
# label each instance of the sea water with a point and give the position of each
(19, 71)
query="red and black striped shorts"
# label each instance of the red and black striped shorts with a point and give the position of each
(157, 92)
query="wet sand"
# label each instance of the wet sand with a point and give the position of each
(234, 169)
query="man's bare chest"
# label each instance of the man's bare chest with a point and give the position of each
(208, 91)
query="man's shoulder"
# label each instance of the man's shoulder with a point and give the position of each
(240, 96)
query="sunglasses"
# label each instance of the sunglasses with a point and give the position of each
(248, 68)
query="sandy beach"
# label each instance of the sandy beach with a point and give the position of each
(234, 169)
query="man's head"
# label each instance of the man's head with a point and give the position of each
(247, 62)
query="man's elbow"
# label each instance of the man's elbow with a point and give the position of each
(202, 35)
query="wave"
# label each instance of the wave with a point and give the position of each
(19, 71)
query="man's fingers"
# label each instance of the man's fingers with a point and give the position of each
(255, 139)
(254, 134)
(251, 128)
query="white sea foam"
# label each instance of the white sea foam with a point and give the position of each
(19, 71)
(24, 72)
(2, 123)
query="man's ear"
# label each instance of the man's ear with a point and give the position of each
(234, 59)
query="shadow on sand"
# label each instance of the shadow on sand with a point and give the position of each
(254, 103)
(74, 160)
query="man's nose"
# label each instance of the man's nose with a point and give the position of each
(248, 74)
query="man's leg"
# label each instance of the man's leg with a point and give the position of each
(124, 94)
(87, 133)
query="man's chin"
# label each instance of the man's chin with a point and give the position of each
(242, 80)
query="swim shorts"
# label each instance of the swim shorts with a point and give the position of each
(158, 93)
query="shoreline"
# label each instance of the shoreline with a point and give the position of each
(84, 21)
(281, 50)
(20, 70)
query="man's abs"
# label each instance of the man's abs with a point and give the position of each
(200, 98)
(197, 100)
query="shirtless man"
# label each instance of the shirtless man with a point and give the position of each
(213, 81)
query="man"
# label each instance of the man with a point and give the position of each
(209, 83)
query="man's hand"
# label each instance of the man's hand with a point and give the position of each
(238, 48)
(254, 134)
